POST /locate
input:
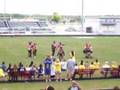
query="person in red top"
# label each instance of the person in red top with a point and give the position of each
(29, 48)
(60, 45)
(34, 49)
(88, 50)
(61, 54)
(53, 48)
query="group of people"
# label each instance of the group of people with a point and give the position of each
(55, 64)
(32, 49)
(74, 86)
(57, 49)
(52, 69)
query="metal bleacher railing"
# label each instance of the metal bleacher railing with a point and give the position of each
(23, 27)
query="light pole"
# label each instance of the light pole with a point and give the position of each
(4, 9)
(82, 16)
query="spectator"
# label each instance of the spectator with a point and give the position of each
(72, 54)
(119, 71)
(116, 88)
(27, 72)
(58, 70)
(114, 65)
(97, 64)
(1, 73)
(20, 65)
(32, 72)
(74, 86)
(21, 70)
(53, 69)
(4, 66)
(47, 66)
(81, 66)
(86, 64)
(40, 71)
(15, 72)
(49, 88)
(31, 64)
(70, 68)
(10, 72)
(92, 66)
(81, 69)
(64, 65)
(105, 69)
(92, 69)
(106, 65)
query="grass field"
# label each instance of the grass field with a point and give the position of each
(13, 50)
(85, 85)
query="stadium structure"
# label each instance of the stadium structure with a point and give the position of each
(93, 25)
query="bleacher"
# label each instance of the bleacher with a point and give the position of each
(24, 27)
(22, 24)
(2, 24)
(42, 24)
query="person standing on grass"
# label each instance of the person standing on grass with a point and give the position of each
(64, 65)
(1, 73)
(70, 68)
(47, 67)
(61, 54)
(34, 49)
(4, 67)
(58, 70)
(72, 54)
(40, 71)
(53, 70)
(29, 48)
(60, 45)
(53, 48)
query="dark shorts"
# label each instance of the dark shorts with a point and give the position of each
(87, 51)
(47, 71)
(34, 52)
(53, 76)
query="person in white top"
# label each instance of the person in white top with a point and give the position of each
(106, 65)
(64, 65)
(74, 86)
(105, 69)
(52, 74)
(70, 68)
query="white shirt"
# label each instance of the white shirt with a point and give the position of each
(106, 66)
(64, 65)
(52, 70)
(74, 88)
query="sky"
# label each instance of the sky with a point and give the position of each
(63, 7)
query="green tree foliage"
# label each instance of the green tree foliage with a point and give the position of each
(56, 17)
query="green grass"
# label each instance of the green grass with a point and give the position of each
(85, 85)
(13, 50)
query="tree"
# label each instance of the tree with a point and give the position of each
(56, 17)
